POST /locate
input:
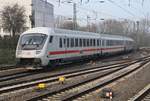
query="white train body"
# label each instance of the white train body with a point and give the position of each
(45, 45)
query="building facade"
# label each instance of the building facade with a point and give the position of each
(39, 13)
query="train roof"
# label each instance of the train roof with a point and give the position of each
(56, 31)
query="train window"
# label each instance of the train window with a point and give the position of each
(94, 43)
(80, 42)
(50, 39)
(106, 42)
(103, 42)
(110, 44)
(88, 43)
(60, 42)
(67, 42)
(84, 43)
(97, 42)
(72, 42)
(116, 42)
(64, 42)
(120, 42)
(76, 42)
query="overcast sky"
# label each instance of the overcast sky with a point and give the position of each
(114, 9)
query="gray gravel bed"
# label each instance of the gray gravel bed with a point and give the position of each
(124, 88)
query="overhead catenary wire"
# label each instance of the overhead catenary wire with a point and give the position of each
(112, 1)
(138, 10)
(90, 10)
(127, 11)
(131, 4)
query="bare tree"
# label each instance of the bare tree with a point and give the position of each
(13, 19)
(92, 27)
(112, 26)
(68, 25)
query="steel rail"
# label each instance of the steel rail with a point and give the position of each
(70, 97)
(55, 77)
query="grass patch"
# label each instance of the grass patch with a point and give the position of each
(7, 56)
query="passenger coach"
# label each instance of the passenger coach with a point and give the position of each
(43, 46)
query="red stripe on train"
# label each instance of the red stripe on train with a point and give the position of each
(78, 51)
(63, 52)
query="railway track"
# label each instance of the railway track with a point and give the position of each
(16, 73)
(12, 67)
(143, 95)
(73, 85)
(12, 71)
(38, 75)
(52, 78)
(19, 72)
(5, 67)
(76, 91)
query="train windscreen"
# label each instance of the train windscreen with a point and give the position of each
(34, 41)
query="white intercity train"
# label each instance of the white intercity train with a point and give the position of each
(43, 46)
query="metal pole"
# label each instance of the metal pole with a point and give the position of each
(88, 23)
(74, 16)
(138, 39)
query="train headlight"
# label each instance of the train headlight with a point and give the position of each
(38, 51)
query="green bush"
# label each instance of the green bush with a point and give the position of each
(7, 49)
(7, 56)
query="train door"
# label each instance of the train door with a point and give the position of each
(100, 46)
(51, 47)
(62, 47)
(103, 46)
(56, 48)
(65, 45)
(125, 45)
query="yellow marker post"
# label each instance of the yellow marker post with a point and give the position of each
(62, 79)
(41, 86)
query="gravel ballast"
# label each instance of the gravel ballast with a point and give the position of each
(124, 88)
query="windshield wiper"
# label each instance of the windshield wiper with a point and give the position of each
(23, 45)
